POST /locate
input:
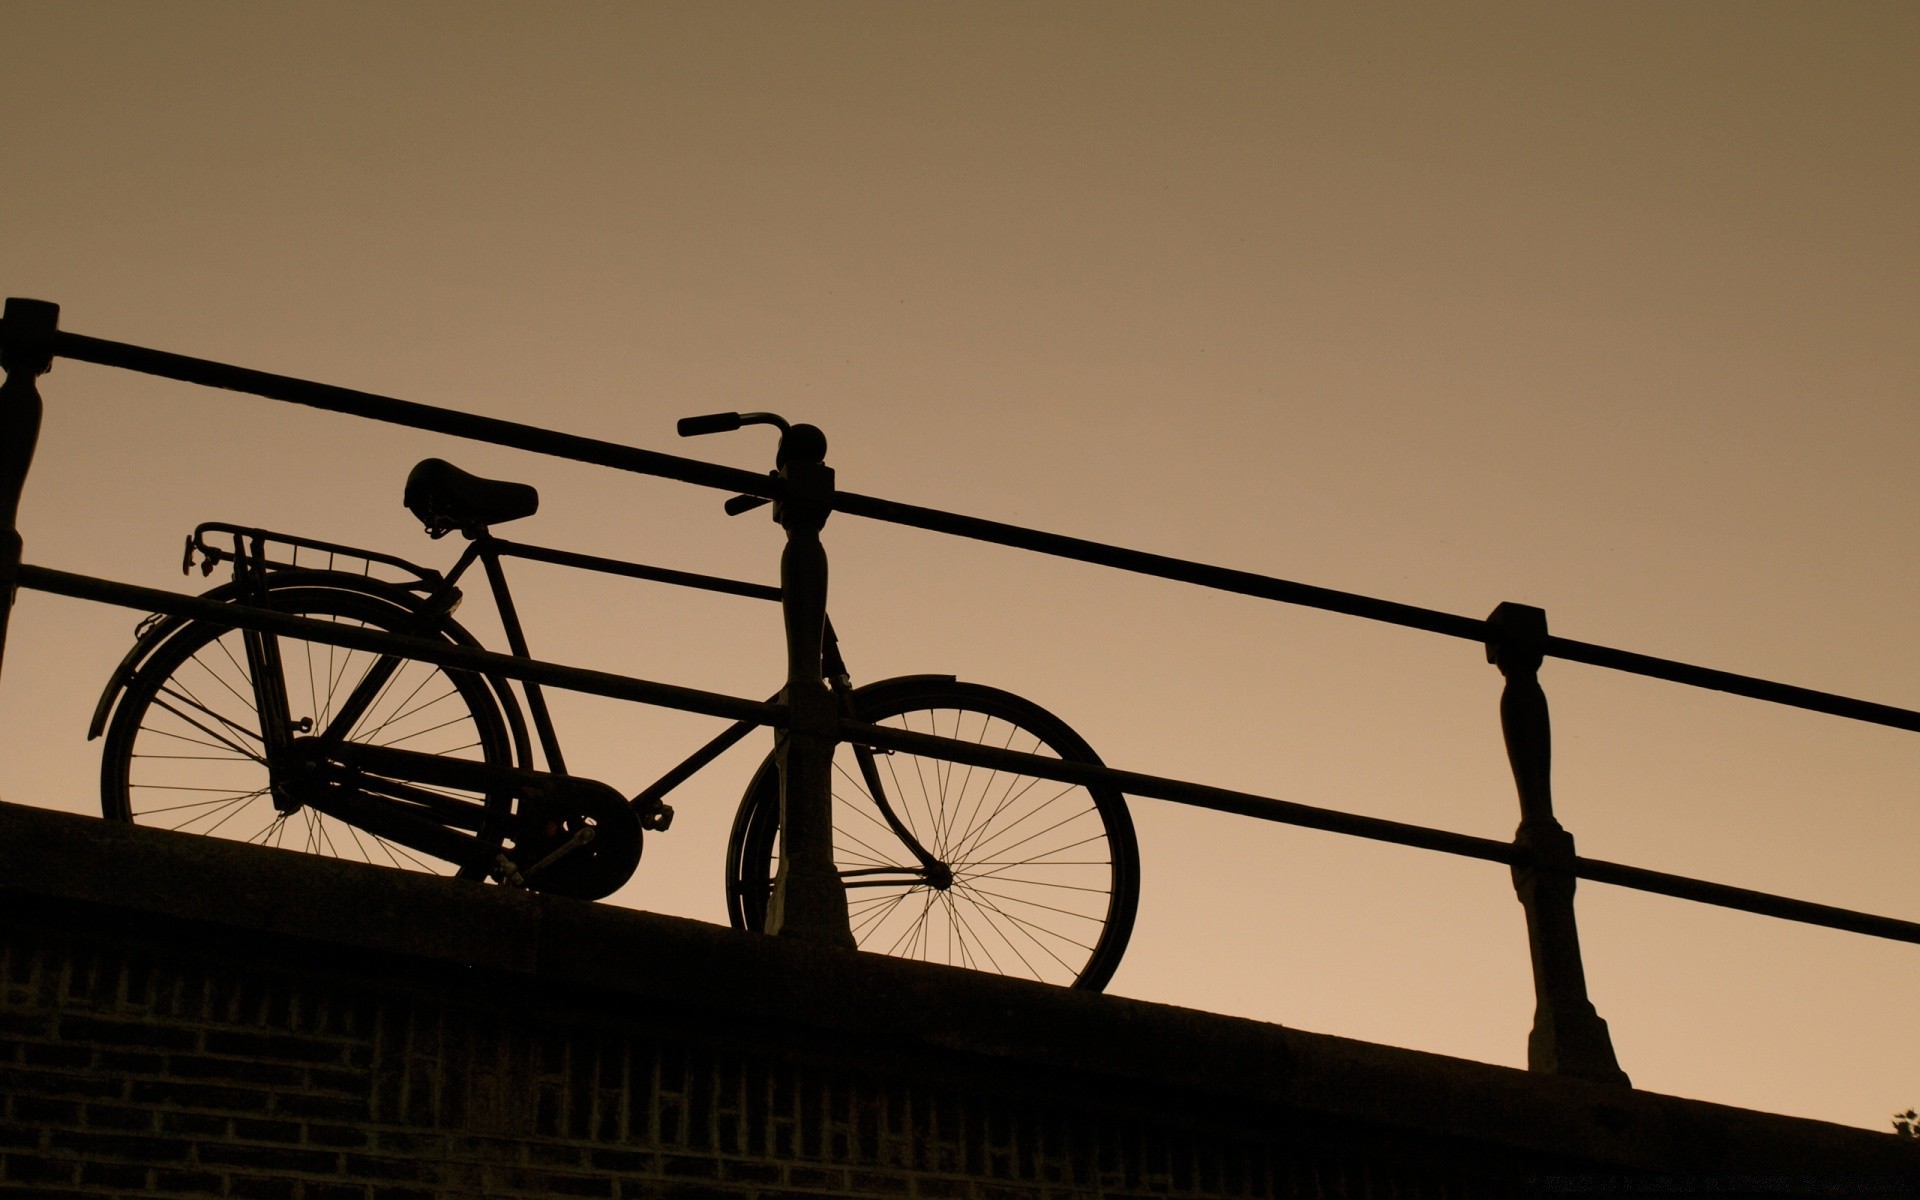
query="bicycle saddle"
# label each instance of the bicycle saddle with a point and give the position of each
(446, 498)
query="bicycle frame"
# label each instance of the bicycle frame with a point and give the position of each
(429, 821)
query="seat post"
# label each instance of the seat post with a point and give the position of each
(517, 642)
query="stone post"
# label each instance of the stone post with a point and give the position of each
(26, 353)
(809, 902)
(1568, 1037)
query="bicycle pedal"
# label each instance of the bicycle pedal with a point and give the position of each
(580, 838)
(659, 820)
(507, 873)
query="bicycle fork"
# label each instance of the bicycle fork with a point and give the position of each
(933, 872)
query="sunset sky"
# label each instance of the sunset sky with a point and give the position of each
(1606, 308)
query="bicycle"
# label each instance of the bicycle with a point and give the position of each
(287, 741)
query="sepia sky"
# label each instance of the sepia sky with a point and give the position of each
(1607, 308)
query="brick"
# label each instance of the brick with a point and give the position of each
(233, 1070)
(193, 1124)
(192, 1183)
(271, 1158)
(180, 1094)
(548, 1110)
(747, 1171)
(275, 1047)
(119, 1145)
(282, 1006)
(130, 1062)
(35, 1168)
(19, 1137)
(333, 1191)
(690, 1191)
(400, 1141)
(817, 1178)
(879, 1183)
(254, 1129)
(625, 1161)
(555, 1154)
(940, 1186)
(51, 1193)
(555, 1183)
(114, 1175)
(261, 1187)
(324, 1108)
(26, 1025)
(104, 1031)
(688, 1166)
(346, 1137)
(344, 1082)
(408, 1170)
(119, 1116)
(41, 1111)
(56, 1054)
(25, 1081)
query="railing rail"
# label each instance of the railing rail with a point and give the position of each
(373, 407)
(1568, 1036)
(734, 708)
(540, 440)
(446, 654)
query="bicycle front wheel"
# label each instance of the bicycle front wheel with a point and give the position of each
(185, 750)
(1045, 876)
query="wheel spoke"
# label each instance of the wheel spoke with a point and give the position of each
(1029, 929)
(1038, 833)
(218, 738)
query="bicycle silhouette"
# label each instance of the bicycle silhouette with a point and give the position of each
(283, 741)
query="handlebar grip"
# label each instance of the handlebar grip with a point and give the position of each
(711, 423)
(741, 504)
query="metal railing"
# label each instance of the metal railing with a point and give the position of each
(1568, 1036)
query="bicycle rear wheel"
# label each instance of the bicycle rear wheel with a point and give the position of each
(184, 750)
(1045, 875)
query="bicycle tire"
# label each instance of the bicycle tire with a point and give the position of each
(183, 746)
(1063, 920)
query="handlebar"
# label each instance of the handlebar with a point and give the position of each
(727, 422)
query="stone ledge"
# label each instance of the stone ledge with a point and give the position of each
(57, 868)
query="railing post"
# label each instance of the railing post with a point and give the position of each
(26, 353)
(809, 901)
(1568, 1036)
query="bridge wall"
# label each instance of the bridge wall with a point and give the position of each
(180, 1016)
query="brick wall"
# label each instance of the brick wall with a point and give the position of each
(180, 1017)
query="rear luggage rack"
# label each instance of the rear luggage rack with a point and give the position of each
(283, 552)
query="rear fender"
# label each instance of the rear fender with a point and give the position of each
(156, 630)
(151, 631)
